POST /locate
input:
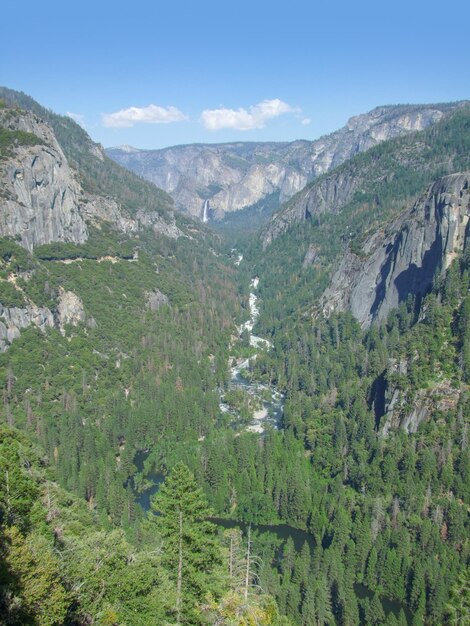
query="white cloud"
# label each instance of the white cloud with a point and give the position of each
(77, 117)
(306, 121)
(152, 114)
(245, 119)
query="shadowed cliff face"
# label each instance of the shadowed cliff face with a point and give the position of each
(235, 176)
(421, 242)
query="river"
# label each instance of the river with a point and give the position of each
(270, 415)
(282, 532)
(269, 401)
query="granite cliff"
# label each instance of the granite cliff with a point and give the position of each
(403, 258)
(58, 187)
(56, 182)
(357, 180)
(69, 311)
(234, 176)
(41, 196)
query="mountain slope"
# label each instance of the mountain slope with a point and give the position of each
(297, 266)
(115, 313)
(397, 169)
(238, 175)
(115, 352)
(121, 194)
(406, 257)
(41, 197)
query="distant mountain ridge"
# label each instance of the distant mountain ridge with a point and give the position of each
(237, 175)
(399, 168)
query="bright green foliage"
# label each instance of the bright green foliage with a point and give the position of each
(458, 608)
(110, 576)
(191, 551)
(234, 610)
(18, 489)
(38, 594)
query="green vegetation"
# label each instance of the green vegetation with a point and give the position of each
(385, 509)
(59, 567)
(238, 226)
(11, 139)
(104, 242)
(192, 553)
(13, 258)
(387, 178)
(10, 296)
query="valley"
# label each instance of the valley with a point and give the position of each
(268, 402)
(308, 381)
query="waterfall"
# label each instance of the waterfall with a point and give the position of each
(205, 211)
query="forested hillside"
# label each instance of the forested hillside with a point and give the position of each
(109, 347)
(377, 419)
(297, 266)
(115, 356)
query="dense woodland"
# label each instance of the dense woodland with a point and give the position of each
(387, 516)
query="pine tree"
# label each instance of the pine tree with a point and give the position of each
(375, 614)
(323, 603)
(190, 548)
(458, 608)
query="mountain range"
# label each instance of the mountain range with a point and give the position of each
(126, 363)
(230, 177)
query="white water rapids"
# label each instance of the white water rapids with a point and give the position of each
(271, 409)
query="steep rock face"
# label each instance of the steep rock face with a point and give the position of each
(404, 260)
(328, 194)
(69, 311)
(98, 209)
(156, 299)
(398, 406)
(230, 176)
(41, 196)
(14, 319)
(234, 176)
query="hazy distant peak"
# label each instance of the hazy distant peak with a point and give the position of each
(126, 148)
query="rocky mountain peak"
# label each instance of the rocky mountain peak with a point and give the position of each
(234, 176)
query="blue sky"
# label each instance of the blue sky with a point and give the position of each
(153, 74)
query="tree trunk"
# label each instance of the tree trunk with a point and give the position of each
(247, 571)
(179, 583)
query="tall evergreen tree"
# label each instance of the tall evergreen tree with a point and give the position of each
(191, 551)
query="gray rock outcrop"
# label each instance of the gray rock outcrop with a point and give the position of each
(237, 175)
(13, 320)
(70, 309)
(404, 260)
(98, 209)
(327, 195)
(42, 200)
(41, 195)
(156, 299)
(407, 409)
